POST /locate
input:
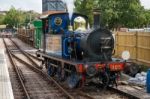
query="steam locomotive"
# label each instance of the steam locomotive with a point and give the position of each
(74, 53)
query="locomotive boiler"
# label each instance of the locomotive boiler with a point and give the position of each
(97, 45)
(74, 53)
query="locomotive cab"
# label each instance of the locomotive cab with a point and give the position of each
(58, 40)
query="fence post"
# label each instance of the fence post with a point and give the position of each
(116, 43)
(136, 36)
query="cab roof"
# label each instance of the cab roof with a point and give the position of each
(61, 13)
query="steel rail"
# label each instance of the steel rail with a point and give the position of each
(123, 93)
(44, 74)
(115, 90)
(85, 95)
(40, 71)
(25, 54)
(34, 56)
(17, 70)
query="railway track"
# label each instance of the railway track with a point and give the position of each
(95, 91)
(72, 94)
(18, 86)
(36, 84)
(98, 92)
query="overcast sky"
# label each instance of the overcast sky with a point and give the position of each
(23, 4)
(37, 4)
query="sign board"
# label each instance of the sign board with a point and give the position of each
(125, 55)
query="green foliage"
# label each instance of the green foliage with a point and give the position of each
(2, 19)
(85, 7)
(29, 16)
(144, 67)
(116, 13)
(147, 17)
(15, 17)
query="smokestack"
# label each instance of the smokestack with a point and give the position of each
(96, 17)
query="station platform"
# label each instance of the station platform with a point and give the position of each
(5, 83)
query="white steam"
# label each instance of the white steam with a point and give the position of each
(70, 6)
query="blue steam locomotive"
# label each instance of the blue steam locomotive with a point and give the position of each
(74, 53)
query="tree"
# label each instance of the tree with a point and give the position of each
(29, 16)
(119, 13)
(85, 7)
(13, 17)
(146, 14)
(2, 19)
(116, 13)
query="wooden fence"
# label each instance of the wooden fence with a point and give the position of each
(137, 43)
(26, 35)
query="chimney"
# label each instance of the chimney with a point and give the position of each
(96, 17)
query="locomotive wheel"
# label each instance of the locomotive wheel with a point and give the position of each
(104, 79)
(73, 80)
(37, 55)
(51, 70)
(58, 74)
(132, 69)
